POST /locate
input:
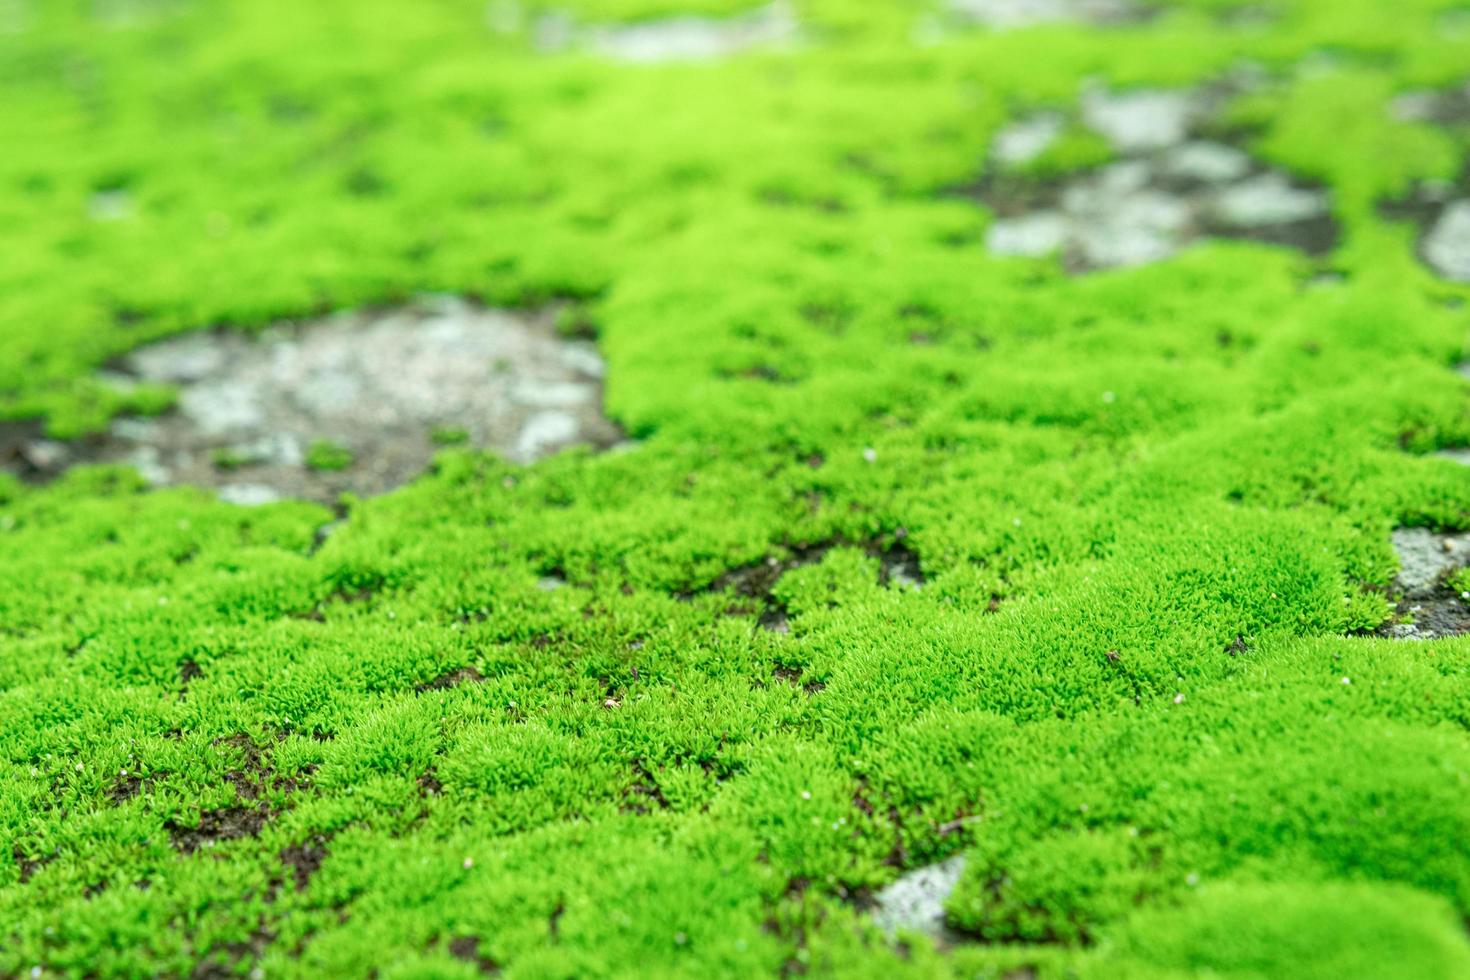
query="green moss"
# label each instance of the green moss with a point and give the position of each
(1340, 930)
(449, 436)
(326, 456)
(1074, 149)
(537, 717)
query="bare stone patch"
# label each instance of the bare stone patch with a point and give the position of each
(1445, 107)
(1013, 14)
(356, 402)
(1141, 120)
(1461, 456)
(1425, 557)
(1440, 208)
(1026, 139)
(1447, 245)
(1428, 607)
(1442, 211)
(1171, 184)
(915, 902)
(683, 38)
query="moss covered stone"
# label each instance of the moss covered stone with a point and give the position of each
(912, 555)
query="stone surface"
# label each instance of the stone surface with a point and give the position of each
(1206, 162)
(915, 902)
(1038, 233)
(1425, 557)
(1447, 245)
(1026, 139)
(1440, 208)
(1429, 608)
(1169, 187)
(682, 38)
(384, 386)
(1139, 120)
(1461, 456)
(1267, 199)
(1446, 107)
(1010, 14)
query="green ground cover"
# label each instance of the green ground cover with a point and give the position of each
(526, 719)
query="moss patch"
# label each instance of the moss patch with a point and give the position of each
(917, 553)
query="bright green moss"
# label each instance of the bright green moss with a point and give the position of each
(1074, 149)
(526, 718)
(327, 456)
(1236, 930)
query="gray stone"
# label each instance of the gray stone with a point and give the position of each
(1461, 456)
(1025, 140)
(185, 359)
(1431, 618)
(1428, 608)
(1140, 228)
(1267, 199)
(1416, 106)
(1011, 14)
(1145, 208)
(147, 460)
(1447, 246)
(1425, 557)
(1442, 107)
(1095, 193)
(45, 455)
(1139, 120)
(225, 406)
(1206, 162)
(1037, 234)
(544, 432)
(682, 38)
(249, 494)
(915, 902)
(379, 384)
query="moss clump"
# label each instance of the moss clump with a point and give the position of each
(449, 436)
(326, 456)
